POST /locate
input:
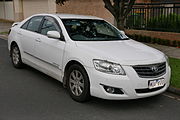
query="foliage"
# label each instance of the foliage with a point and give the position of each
(170, 22)
(148, 39)
(61, 2)
(3, 33)
(135, 20)
(175, 67)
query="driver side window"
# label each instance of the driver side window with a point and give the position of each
(49, 24)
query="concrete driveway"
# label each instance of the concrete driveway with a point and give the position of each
(27, 94)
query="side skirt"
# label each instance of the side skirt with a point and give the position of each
(44, 67)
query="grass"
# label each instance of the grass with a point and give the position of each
(175, 72)
(3, 33)
(6, 21)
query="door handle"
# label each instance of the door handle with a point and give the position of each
(38, 40)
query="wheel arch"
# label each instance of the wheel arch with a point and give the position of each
(67, 66)
(11, 45)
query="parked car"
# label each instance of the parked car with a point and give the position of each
(89, 56)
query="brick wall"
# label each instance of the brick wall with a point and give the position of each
(86, 7)
(155, 34)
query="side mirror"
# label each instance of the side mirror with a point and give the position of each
(122, 32)
(53, 34)
(123, 35)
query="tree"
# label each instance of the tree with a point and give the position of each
(118, 8)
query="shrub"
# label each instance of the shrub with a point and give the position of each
(178, 43)
(153, 40)
(167, 42)
(169, 22)
(159, 41)
(163, 42)
(135, 20)
(174, 43)
(148, 39)
(136, 37)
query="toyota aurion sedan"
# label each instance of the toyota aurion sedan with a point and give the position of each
(89, 56)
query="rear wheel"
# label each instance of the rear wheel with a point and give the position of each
(16, 57)
(78, 83)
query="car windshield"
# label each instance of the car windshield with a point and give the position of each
(92, 30)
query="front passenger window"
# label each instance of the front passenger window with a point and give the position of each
(49, 25)
(34, 23)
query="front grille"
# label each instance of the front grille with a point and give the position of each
(149, 71)
(147, 90)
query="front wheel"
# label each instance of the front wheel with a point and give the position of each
(16, 57)
(78, 83)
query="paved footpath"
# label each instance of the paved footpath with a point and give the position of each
(169, 51)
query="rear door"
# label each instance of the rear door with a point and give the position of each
(28, 34)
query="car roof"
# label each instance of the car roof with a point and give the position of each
(72, 16)
(66, 16)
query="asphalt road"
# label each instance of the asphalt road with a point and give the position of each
(27, 94)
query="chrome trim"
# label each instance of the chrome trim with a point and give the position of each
(53, 64)
(147, 71)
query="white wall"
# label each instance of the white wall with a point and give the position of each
(6, 10)
(9, 10)
(2, 10)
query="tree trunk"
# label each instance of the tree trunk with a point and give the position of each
(120, 23)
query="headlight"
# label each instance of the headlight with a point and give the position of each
(108, 67)
(167, 59)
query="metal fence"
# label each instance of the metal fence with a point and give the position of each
(155, 16)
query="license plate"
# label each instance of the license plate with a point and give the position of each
(156, 83)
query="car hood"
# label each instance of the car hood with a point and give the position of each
(125, 52)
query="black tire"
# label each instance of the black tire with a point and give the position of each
(84, 93)
(16, 56)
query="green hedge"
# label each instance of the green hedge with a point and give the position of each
(135, 20)
(166, 23)
(147, 39)
(170, 22)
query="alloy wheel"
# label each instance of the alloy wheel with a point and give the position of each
(76, 82)
(15, 55)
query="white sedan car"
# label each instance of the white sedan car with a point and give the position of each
(89, 56)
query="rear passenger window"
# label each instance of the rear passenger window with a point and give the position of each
(34, 23)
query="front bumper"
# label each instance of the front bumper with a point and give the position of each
(128, 84)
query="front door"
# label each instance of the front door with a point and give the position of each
(50, 50)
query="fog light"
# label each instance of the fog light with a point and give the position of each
(110, 90)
